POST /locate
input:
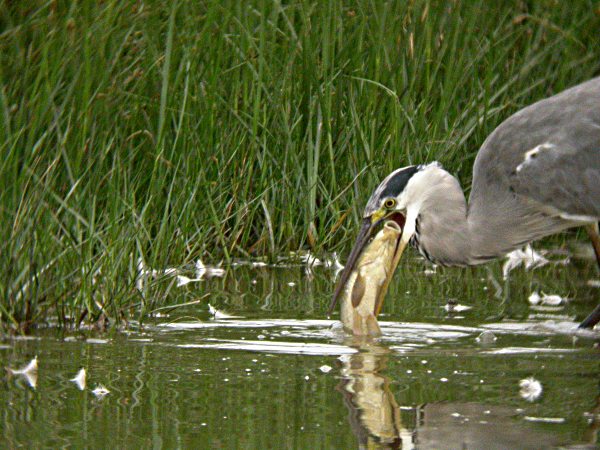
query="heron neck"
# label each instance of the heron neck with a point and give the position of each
(444, 230)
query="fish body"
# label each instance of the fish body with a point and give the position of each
(367, 285)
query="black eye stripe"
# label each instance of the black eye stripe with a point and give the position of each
(398, 182)
(391, 187)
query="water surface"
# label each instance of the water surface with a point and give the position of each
(281, 375)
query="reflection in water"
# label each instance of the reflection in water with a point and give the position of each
(29, 377)
(29, 373)
(185, 380)
(378, 421)
(374, 414)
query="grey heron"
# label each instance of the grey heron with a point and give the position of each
(537, 174)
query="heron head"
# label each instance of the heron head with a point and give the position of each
(386, 203)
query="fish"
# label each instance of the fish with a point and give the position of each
(367, 285)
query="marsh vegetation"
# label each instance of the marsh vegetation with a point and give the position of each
(164, 132)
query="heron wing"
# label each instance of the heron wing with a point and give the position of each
(562, 179)
(538, 171)
(548, 152)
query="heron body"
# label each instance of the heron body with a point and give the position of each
(537, 174)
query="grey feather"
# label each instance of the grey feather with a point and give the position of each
(538, 173)
(559, 179)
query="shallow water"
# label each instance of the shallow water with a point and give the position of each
(281, 375)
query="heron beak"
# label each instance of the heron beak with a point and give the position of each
(364, 234)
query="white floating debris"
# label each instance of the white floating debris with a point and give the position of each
(546, 299)
(534, 298)
(79, 379)
(453, 306)
(259, 264)
(307, 378)
(100, 391)
(30, 368)
(444, 380)
(145, 273)
(97, 341)
(528, 256)
(552, 300)
(334, 263)
(213, 311)
(431, 271)
(311, 260)
(29, 372)
(545, 419)
(531, 389)
(182, 280)
(291, 284)
(219, 314)
(486, 337)
(208, 271)
(325, 368)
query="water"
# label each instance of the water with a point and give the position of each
(281, 375)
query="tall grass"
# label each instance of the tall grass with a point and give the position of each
(171, 130)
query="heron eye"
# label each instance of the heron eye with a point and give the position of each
(389, 203)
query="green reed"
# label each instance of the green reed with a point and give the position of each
(169, 131)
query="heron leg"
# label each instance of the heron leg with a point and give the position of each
(592, 231)
(594, 317)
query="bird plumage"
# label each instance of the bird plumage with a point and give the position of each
(537, 174)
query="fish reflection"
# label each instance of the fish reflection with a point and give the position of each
(378, 421)
(374, 414)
